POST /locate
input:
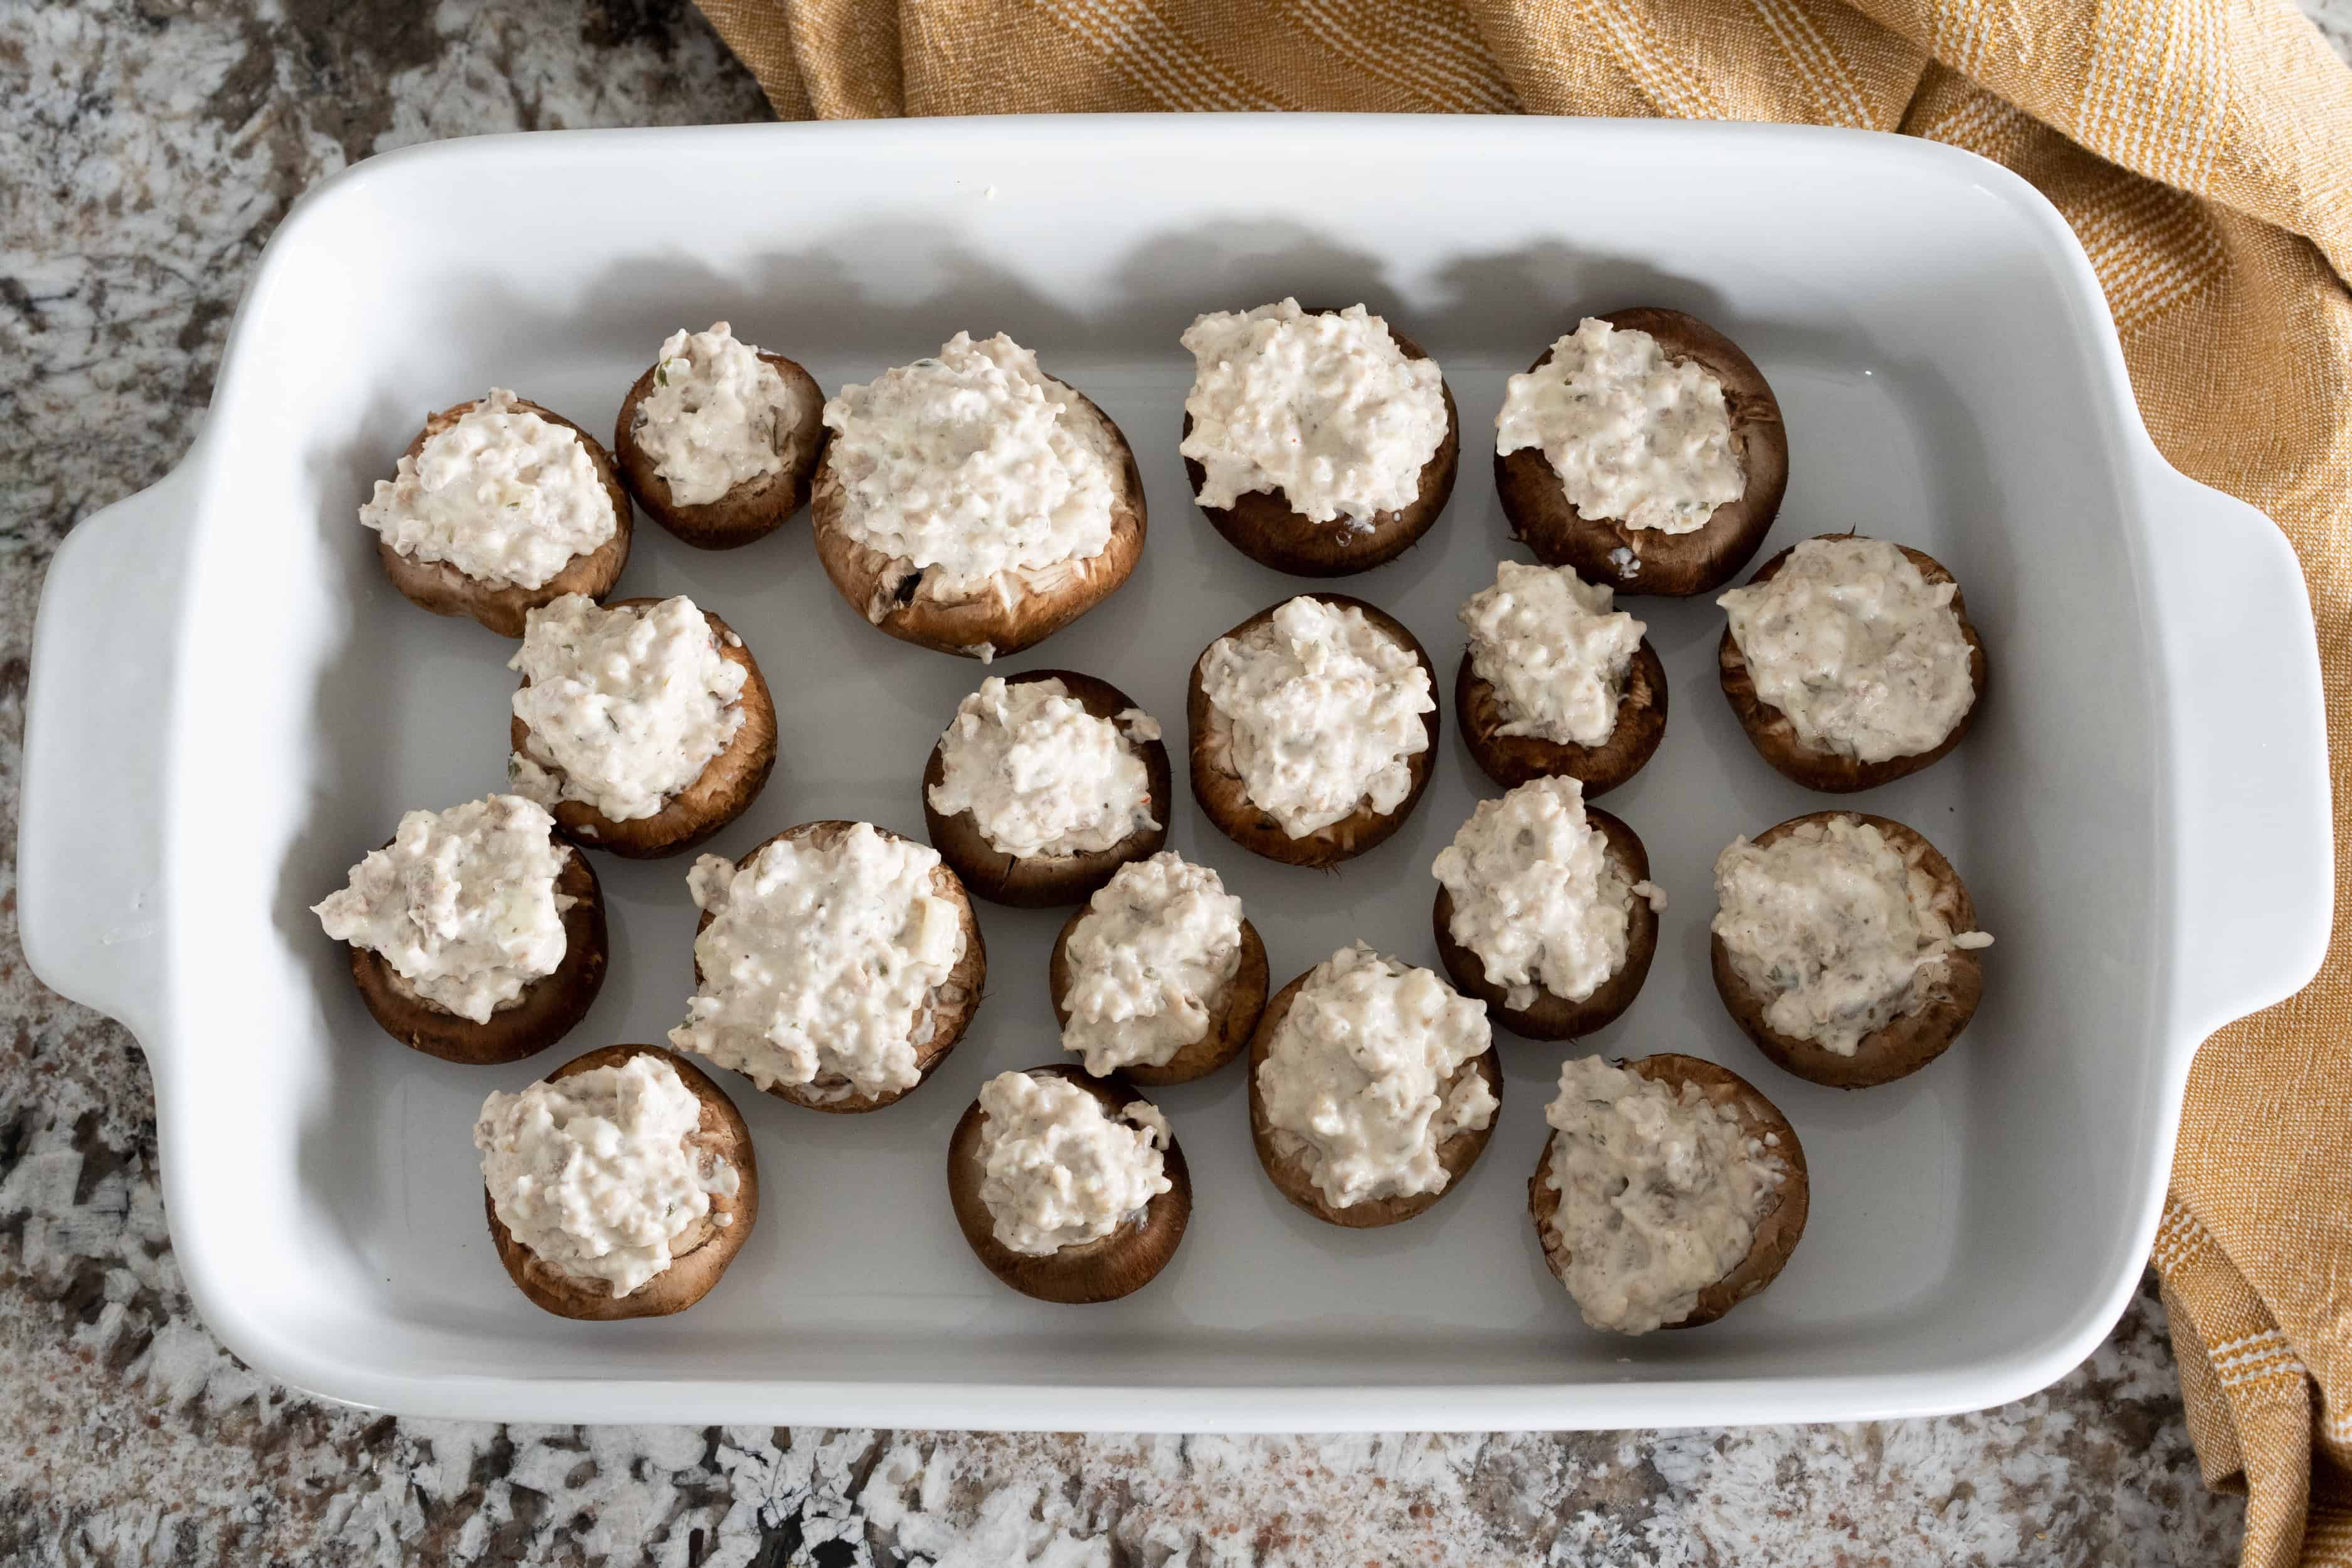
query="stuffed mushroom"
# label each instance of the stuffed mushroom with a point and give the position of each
(620, 1185)
(1546, 911)
(1373, 1088)
(718, 439)
(498, 506)
(1044, 785)
(972, 504)
(1846, 947)
(642, 725)
(1158, 979)
(476, 935)
(1317, 442)
(1669, 1191)
(1644, 450)
(835, 965)
(1557, 680)
(1069, 1188)
(1312, 727)
(1850, 662)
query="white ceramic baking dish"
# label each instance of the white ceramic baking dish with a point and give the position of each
(229, 705)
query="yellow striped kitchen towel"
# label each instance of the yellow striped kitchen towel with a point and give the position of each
(2203, 148)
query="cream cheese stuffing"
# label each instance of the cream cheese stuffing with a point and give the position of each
(625, 707)
(597, 1173)
(502, 495)
(1058, 1170)
(822, 963)
(1324, 408)
(1148, 960)
(462, 904)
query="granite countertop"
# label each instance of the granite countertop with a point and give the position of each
(146, 152)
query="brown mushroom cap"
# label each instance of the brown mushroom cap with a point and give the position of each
(754, 509)
(1907, 1043)
(1777, 1229)
(954, 999)
(1514, 760)
(722, 792)
(1262, 525)
(546, 1011)
(699, 1255)
(1222, 796)
(868, 579)
(1116, 1265)
(1233, 1012)
(1288, 1171)
(1671, 563)
(1776, 738)
(1037, 881)
(441, 588)
(1551, 1017)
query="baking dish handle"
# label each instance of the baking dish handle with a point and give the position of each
(2252, 827)
(90, 824)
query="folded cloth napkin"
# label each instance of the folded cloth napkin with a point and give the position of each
(2201, 149)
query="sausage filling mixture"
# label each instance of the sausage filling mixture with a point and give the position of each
(1040, 775)
(718, 416)
(1554, 650)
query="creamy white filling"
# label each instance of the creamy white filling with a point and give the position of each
(1836, 926)
(1157, 946)
(1319, 710)
(821, 964)
(1040, 775)
(626, 707)
(1863, 654)
(1536, 895)
(1368, 1074)
(1660, 1192)
(595, 1174)
(717, 417)
(1634, 436)
(1554, 650)
(462, 903)
(502, 495)
(971, 467)
(1324, 408)
(1059, 1170)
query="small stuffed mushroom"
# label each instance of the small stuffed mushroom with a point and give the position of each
(1158, 979)
(973, 504)
(643, 725)
(717, 440)
(621, 1186)
(1312, 726)
(1319, 443)
(1644, 450)
(1555, 680)
(1373, 1088)
(498, 506)
(835, 965)
(1546, 911)
(1850, 662)
(1070, 1188)
(1090, 795)
(1846, 947)
(476, 935)
(1669, 1191)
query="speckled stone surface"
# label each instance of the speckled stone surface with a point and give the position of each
(147, 149)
